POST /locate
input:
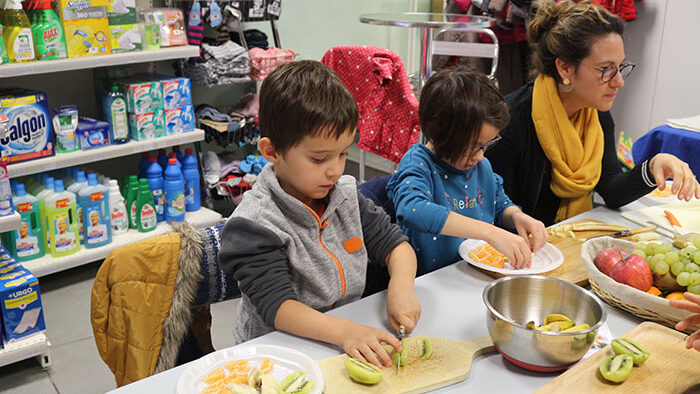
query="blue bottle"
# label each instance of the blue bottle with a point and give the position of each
(162, 159)
(27, 243)
(174, 193)
(191, 174)
(94, 200)
(144, 163)
(155, 183)
(178, 153)
(178, 163)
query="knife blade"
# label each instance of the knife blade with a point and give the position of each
(625, 233)
(401, 336)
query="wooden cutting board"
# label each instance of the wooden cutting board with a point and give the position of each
(572, 269)
(670, 368)
(449, 364)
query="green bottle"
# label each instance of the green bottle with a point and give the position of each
(4, 57)
(49, 38)
(132, 194)
(145, 208)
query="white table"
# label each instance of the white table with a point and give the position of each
(452, 309)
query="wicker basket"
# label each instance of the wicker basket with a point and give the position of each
(636, 302)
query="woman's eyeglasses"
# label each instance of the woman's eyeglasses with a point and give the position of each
(472, 149)
(608, 73)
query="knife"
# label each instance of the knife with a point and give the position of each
(401, 336)
(626, 232)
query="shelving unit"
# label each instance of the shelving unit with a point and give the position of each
(10, 222)
(62, 160)
(115, 59)
(49, 265)
(34, 345)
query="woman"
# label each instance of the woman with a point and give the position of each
(560, 144)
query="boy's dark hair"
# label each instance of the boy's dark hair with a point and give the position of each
(304, 98)
(454, 104)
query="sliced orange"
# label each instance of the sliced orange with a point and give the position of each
(676, 295)
(487, 254)
(240, 364)
(654, 291)
(212, 389)
(215, 376)
(266, 366)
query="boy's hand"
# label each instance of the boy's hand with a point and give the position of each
(402, 308)
(365, 343)
(532, 230)
(513, 246)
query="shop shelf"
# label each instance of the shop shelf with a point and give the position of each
(62, 160)
(30, 346)
(10, 222)
(115, 59)
(48, 264)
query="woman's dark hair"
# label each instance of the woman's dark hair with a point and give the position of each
(454, 105)
(567, 30)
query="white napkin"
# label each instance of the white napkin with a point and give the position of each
(691, 123)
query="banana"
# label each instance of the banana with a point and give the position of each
(631, 348)
(580, 327)
(363, 372)
(242, 389)
(255, 378)
(554, 317)
(296, 383)
(269, 385)
(557, 326)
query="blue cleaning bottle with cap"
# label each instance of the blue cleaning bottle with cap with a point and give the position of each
(191, 174)
(144, 163)
(162, 159)
(94, 201)
(174, 193)
(178, 153)
(27, 243)
(155, 184)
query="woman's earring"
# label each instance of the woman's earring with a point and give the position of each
(566, 86)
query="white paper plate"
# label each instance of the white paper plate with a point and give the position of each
(657, 196)
(285, 361)
(545, 260)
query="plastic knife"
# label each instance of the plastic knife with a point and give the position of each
(626, 232)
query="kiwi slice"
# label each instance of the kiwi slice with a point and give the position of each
(296, 383)
(413, 349)
(630, 348)
(363, 372)
(616, 368)
(427, 349)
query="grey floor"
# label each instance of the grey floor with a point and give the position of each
(76, 366)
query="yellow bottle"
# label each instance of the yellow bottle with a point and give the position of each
(17, 34)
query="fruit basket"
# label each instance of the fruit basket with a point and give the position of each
(636, 302)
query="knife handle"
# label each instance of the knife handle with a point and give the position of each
(642, 230)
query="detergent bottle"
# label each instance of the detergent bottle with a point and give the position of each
(49, 39)
(4, 57)
(145, 208)
(191, 175)
(63, 221)
(155, 184)
(174, 193)
(80, 182)
(114, 106)
(178, 153)
(132, 194)
(162, 159)
(119, 215)
(41, 196)
(144, 163)
(178, 163)
(94, 200)
(17, 33)
(27, 243)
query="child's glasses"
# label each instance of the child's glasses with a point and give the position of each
(472, 149)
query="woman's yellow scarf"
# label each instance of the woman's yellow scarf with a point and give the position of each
(573, 145)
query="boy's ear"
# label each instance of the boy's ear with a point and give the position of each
(267, 150)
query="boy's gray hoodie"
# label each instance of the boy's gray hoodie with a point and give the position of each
(278, 249)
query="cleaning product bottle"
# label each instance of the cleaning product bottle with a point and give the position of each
(4, 57)
(118, 214)
(125, 183)
(63, 222)
(49, 39)
(155, 183)
(174, 193)
(178, 163)
(17, 34)
(162, 159)
(27, 243)
(94, 200)
(132, 194)
(80, 182)
(41, 196)
(145, 208)
(114, 106)
(144, 163)
(191, 174)
(178, 153)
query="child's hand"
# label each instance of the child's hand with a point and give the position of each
(532, 230)
(365, 343)
(692, 304)
(402, 308)
(513, 246)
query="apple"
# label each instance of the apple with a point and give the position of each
(607, 258)
(633, 271)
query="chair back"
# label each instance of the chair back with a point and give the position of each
(468, 49)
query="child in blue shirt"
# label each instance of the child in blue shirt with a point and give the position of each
(445, 191)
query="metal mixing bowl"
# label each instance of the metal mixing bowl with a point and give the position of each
(514, 300)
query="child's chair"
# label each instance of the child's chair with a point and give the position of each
(388, 109)
(150, 301)
(469, 49)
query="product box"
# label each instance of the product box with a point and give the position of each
(29, 135)
(143, 97)
(177, 92)
(20, 305)
(125, 38)
(86, 27)
(171, 25)
(179, 120)
(92, 133)
(147, 126)
(121, 12)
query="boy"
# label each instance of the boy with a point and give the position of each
(444, 191)
(299, 241)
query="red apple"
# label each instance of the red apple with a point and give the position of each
(633, 271)
(607, 258)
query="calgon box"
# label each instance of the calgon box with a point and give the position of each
(29, 134)
(20, 303)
